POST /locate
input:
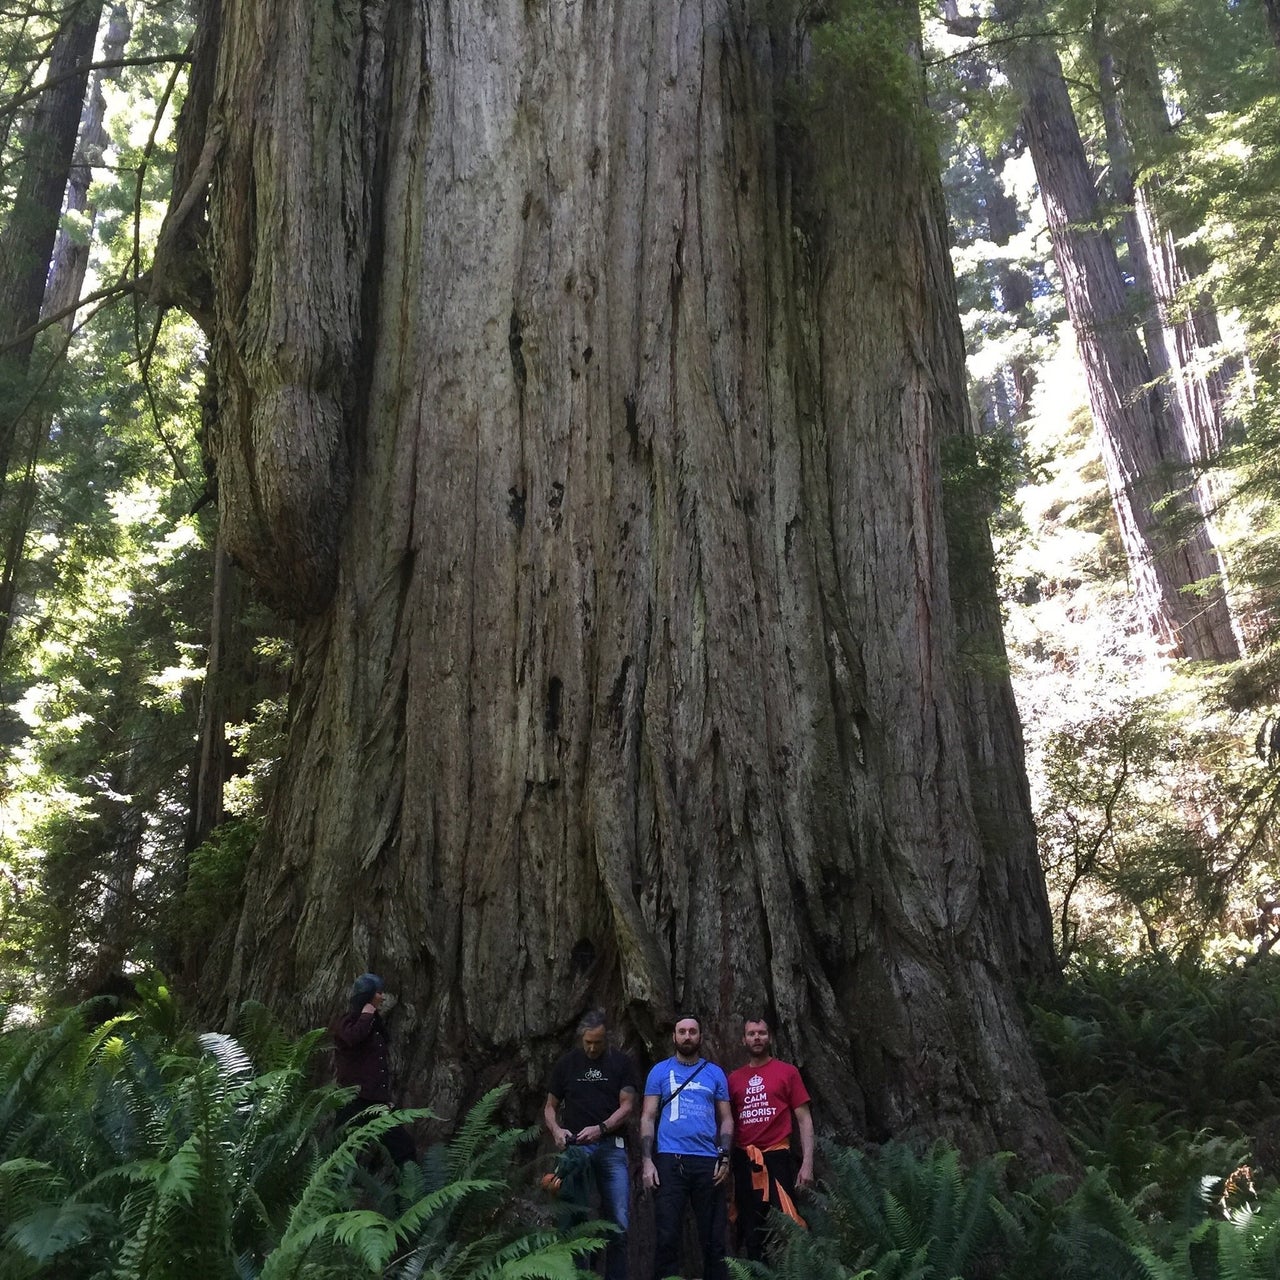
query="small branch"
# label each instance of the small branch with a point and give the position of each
(110, 295)
(198, 185)
(34, 65)
(144, 356)
(1049, 33)
(118, 290)
(161, 107)
(148, 388)
(109, 64)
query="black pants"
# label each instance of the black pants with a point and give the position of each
(752, 1208)
(398, 1141)
(686, 1180)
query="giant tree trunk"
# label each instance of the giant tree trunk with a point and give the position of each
(1176, 571)
(590, 410)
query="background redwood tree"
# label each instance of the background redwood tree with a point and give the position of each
(583, 373)
(1149, 450)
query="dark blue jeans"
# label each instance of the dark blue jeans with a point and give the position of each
(612, 1175)
(687, 1180)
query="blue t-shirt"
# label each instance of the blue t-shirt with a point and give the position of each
(687, 1124)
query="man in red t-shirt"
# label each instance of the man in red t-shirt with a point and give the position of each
(765, 1095)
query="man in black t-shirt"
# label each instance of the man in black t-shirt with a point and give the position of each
(591, 1094)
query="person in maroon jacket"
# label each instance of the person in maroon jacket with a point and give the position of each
(360, 1061)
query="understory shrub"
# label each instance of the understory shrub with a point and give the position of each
(127, 1151)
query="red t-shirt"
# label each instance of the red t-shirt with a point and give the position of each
(763, 1099)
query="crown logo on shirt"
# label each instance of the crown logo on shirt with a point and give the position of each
(756, 1081)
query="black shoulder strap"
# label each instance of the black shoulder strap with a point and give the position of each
(662, 1106)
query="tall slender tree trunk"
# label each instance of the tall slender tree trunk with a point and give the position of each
(1015, 288)
(66, 273)
(70, 259)
(26, 247)
(210, 771)
(1271, 11)
(588, 408)
(1180, 324)
(118, 924)
(1008, 396)
(27, 239)
(1176, 570)
(1177, 330)
(1191, 312)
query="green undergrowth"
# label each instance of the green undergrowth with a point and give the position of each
(900, 1214)
(130, 1147)
(1165, 1077)
(1157, 1067)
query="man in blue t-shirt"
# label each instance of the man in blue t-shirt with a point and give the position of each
(686, 1130)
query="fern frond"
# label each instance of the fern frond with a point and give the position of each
(320, 1196)
(234, 1064)
(906, 1231)
(366, 1234)
(26, 1185)
(57, 1228)
(36, 1053)
(474, 1140)
(441, 1202)
(540, 1256)
(853, 1199)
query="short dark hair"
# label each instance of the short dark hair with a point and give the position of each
(757, 1017)
(592, 1019)
(686, 1017)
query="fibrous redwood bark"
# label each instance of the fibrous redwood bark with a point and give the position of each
(589, 409)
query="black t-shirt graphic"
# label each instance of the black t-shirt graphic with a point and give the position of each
(588, 1088)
